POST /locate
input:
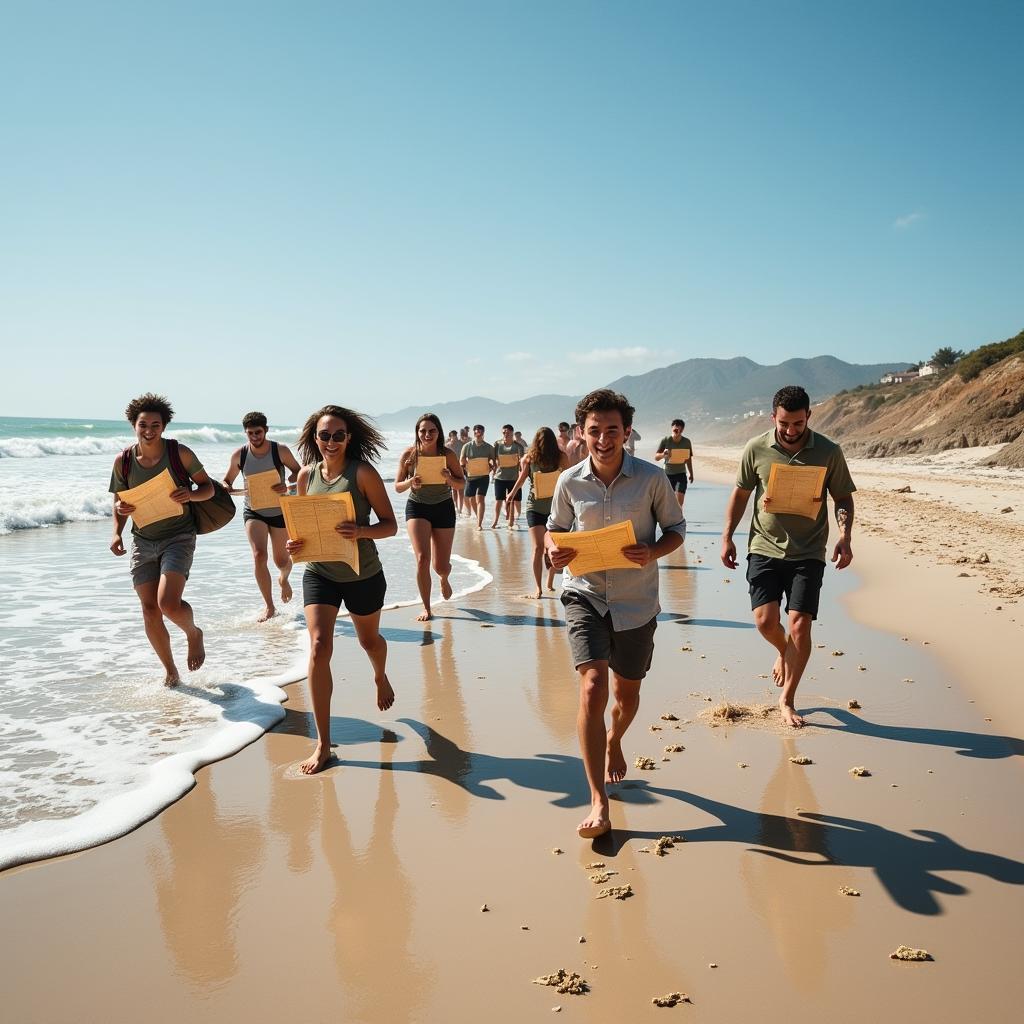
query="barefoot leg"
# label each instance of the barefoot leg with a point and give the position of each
(798, 652)
(258, 533)
(441, 557)
(156, 631)
(626, 694)
(283, 561)
(593, 744)
(419, 533)
(769, 625)
(179, 611)
(367, 629)
(320, 620)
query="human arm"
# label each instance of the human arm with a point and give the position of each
(667, 514)
(660, 455)
(121, 511)
(453, 471)
(234, 468)
(734, 510)
(842, 555)
(524, 472)
(301, 487)
(403, 481)
(372, 487)
(560, 520)
(289, 461)
(204, 485)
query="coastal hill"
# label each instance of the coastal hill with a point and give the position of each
(696, 389)
(977, 401)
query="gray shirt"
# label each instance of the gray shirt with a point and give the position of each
(641, 492)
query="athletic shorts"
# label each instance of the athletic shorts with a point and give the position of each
(799, 579)
(536, 519)
(360, 597)
(503, 488)
(476, 486)
(152, 558)
(274, 522)
(629, 652)
(440, 516)
(677, 481)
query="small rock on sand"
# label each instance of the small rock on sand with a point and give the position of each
(616, 892)
(669, 717)
(645, 764)
(671, 999)
(862, 668)
(674, 748)
(837, 654)
(742, 764)
(802, 759)
(903, 490)
(860, 771)
(485, 909)
(654, 728)
(908, 953)
(845, 890)
(564, 982)
(602, 876)
(853, 705)
(1009, 508)
(557, 850)
(595, 864)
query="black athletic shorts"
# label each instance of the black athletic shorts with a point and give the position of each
(629, 652)
(799, 579)
(536, 519)
(503, 488)
(360, 597)
(277, 522)
(440, 516)
(477, 486)
(677, 481)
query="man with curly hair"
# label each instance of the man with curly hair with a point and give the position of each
(162, 552)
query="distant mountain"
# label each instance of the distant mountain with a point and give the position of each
(699, 390)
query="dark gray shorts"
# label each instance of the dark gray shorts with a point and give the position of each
(151, 558)
(628, 652)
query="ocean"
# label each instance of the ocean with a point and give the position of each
(91, 742)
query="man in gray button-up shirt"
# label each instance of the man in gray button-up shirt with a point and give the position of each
(611, 616)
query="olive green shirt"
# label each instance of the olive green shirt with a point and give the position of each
(164, 528)
(788, 536)
(472, 450)
(428, 494)
(369, 560)
(677, 468)
(509, 472)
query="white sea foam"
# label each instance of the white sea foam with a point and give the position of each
(18, 513)
(38, 447)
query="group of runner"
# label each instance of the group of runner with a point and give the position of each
(601, 483)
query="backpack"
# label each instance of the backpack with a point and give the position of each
(208, 515)
(243, 452)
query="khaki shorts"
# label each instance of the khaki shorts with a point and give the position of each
(629, 652)
(151, 558)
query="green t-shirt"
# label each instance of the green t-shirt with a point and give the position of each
(789, 536)
(472, 450)
(510, 472)
(676, 468)
(185, 523)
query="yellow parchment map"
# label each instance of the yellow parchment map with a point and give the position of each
(678, 455)
(544, 484)
(795, 490)
(477, 467)
(428, 469)
(151, 500)
(260, 488)
(508, 461)
(598, 550)
(312, 518)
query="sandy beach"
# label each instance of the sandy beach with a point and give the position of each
(359, 894)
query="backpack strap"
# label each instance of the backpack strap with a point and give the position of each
(276, 456)
(178, 469)
(243, 454)
(126, 463)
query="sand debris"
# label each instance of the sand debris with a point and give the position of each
(582, 939)
(602, 876)
(837, 654)
(595, 864)
(616, 892)
(485, 909)
(907, 679)
(663, 844)
(645, 764)
(557, 849)
(669, 717)
(907, 953)
(742, 764)
(860, 771)
(845, 890)
(1003, 511)
(671, 999)
(801, 759)
(862, 668)
(564, 982)
(674, 748)
(853, 705)
(903, 490)
(728, 712)
(686, 648)
(654, 728)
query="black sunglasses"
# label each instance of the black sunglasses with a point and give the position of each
(338, 436)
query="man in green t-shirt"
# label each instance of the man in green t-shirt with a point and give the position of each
(162, 550)
(476, 485)
(786, 552)
(678, 466)
(505, 450)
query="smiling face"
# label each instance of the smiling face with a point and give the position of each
(791, 427)
(149, 427)
(605, 436)
(506, 435)
(332, 450)
(427, 434)
(478, 434)
(256, 435)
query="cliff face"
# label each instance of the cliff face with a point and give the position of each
(931, 414)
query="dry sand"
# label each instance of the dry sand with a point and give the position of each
(356, 895)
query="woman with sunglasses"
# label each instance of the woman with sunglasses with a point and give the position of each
(336, 447)
(430, 510)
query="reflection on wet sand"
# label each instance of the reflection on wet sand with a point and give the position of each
(796, 912)
(553, 695)
(197, 896)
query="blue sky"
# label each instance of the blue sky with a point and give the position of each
(278, 205)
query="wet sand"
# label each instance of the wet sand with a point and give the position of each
(356, 895)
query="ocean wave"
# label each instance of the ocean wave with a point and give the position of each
(31, 515)
(38, 447)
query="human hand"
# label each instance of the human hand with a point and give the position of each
(641, 554)
(728, 553)
(293, 546)
(117, 545)
(182, 495)
(560, 557)
(281, 488)
(122, 508)
(348, 530)
(843, 554)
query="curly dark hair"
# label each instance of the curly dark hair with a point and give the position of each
(544, 453)
(149, 403)
(365, 441)
(251, 420)
(792, 398)
(604, 400)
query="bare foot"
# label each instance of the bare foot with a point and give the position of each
(777, 671)
(789, 715)
(268, 613)
(446, 588)
(286, 590)
(535, 596)
(172, 678)
(196, 650)
(424, 616)
(616, 761)
(385, 695)
(596, 823)
(321, 755)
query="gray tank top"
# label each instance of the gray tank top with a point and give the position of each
(261, 464)
(369, 560)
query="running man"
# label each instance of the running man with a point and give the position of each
(261, 455)
(786, 553)
(505, 477)
(576, 448)
(162, 552)
(476, 486)
(612, 615)
(564, 434)
(677, 472)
